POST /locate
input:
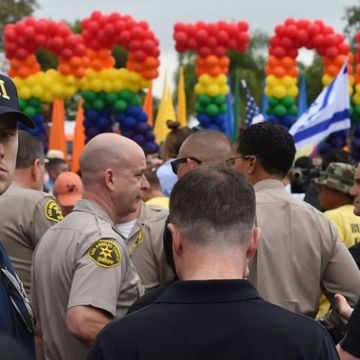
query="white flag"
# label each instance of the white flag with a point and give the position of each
(329, 113)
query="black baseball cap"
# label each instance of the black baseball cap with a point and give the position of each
(9, 102)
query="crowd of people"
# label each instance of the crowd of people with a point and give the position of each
(204, 251)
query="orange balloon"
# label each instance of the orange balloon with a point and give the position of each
(23, 72)
(211, 60)
(279, 71)
(273, 61)
(214, 71)
(224, 61)
(287, 62)
(357, 77)
(331, 70)
(293, 72)
(64, 68)
(79, 72)
(200, 61)
(75, 61)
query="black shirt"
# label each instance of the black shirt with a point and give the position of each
(215, 319)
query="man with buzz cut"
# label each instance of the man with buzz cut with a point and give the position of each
(213, 312)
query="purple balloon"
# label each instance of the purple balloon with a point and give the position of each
(141, 128)
(139, 139)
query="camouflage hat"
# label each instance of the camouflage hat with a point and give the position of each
(338, 176)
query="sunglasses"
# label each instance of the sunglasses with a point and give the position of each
(231, 161)
(176, 163)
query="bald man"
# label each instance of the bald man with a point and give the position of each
(206, 147)
(82, 276)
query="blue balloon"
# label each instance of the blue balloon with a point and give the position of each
(213, 126)
(150, 137)
(128, 124)
(142, 117)
(140, 139)
(91, 114)
(133, 111)
(87, 123)
(150, 147)
(204, 120)
(103, 122)
(105, 112)
(219, 119)
(128, 133)
(120, 116)
(141, 128)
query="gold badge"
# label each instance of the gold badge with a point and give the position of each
(105, 253)
(52, 211)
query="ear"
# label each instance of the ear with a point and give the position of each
(192, 164)
(254, 242)
(35, 170)
(176, 239)
(252, 165)
(109, 178)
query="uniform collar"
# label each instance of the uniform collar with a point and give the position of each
(209, 291)
(268, 184)
(92, 207)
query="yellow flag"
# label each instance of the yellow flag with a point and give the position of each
(181, 98)
(165, 112)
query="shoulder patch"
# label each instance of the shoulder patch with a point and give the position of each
(105, 253)
(52, 211)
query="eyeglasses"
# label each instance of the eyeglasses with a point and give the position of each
(231, 161)
(176, 163)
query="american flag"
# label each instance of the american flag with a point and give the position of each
(253, 113)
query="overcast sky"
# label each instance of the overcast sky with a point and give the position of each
(163, 14)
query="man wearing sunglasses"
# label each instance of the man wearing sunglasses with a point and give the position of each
(206, 147)
(16, 318)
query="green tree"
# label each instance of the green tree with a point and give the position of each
(14, 10)
(352, 18)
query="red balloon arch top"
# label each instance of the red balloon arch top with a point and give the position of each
(91, 49)
(212, 38)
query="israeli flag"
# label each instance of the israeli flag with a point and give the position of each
(329, 113)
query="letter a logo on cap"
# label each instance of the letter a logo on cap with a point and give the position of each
(3, 90)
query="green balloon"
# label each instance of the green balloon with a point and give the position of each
(111, 98)
(22, 104)
(101, 95)
(204, 99)
(219, 100)
(126, 95)
(212, 110)
(30, 111)
(273, 101)
(120, 106)
(34, 102)
(270, 110)
(99, 104)
(223, 109)
(89, 95)
(280, 110)
(357, 110)
(136, 100)
(288, 101)
(87, 105)
(199, 108)
(293, 111)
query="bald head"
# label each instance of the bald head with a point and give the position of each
(104, 151)
(209, 146)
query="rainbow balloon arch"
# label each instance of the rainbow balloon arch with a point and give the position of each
(112, 96)
(86, 64)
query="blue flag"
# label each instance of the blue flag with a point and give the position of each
(253, 113)
(229, 119)
(302, 102)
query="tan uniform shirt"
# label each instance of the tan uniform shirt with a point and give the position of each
(145, 245)
(25, 215)
(80, 261)
(299, 251)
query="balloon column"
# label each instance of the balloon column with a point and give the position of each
(211, 41)
(355, 146)
(282, 72)
(86, 64)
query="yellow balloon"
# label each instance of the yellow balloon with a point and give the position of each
(57, 91)
(47, 97)
(205, 80)
(351, 90)
(271, 80)
(107, 86)
(351, 80)
(37, 91)
(356, 99)
(326, 79)
(96, 85)
(224, 90)
(117, 85)
(279, 91)
(293, 91)
(288, 81)
(213, 90)
(268, 91)
(199, 89)
(221, 80)
(24, 93)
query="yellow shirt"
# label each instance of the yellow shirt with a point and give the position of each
(162, 201)
(348, 227)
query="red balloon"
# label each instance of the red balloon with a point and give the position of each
(313, 29)
(114, 17)
(302, 37)
(328, 30)
(85, 23)
(212, 42)
(40, 40)
(9, 34)
(21, 53)
(179, 27)
(180, 47)
(243, 39)
(332, 52)
(155, 52)
(96, 15)
(135, 45)
(201, 36)
(243, 26)
(63, 30)
(274, 41)
(144, 25)
(137, 33)
(109, 30)
(223, 37)
(41, 26)
(303, 24)
(191, 30)
(339, 38)
(204, 51)
(148, 45)
(222, 25)
(93, 27)
(344, 49)
(56, 43)
(291, 31)
(21, 41)
(220, 51)
(232, 29)
(20, 27)
(30, 21)
(192, 44)
(212, 29)
(139, 55)
(66, 53)
(124, 38)
(280, 30)
(119, 26)
(80, 50)
(293, 53)
(320, 24)
(290, 21)
(286, 42)
(319, 40)
(279, 51)
(330, 40)
(71, 41)
(357, 36)
(232, 44)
